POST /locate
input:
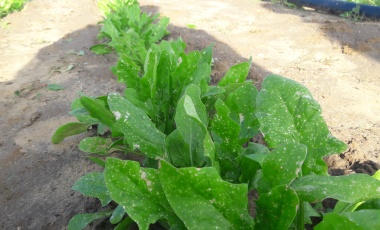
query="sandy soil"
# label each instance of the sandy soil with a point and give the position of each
(338, 60)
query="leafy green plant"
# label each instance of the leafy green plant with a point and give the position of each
(9, 6)
(354, 14)
(200, 162)
(129, 31)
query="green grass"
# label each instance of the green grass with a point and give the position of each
(9, 6)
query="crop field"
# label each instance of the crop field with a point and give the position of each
(125, 114)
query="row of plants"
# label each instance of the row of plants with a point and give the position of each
(199, 161)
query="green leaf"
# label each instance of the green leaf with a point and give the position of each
(95, 145)
(99, 111)
(138, 191)
(101, 49)
(55, 87)
(127, 71)
(236, 74)
(191, 121)
(206, 55)
(226, 129)
(360, 220)
(370, 204)
(125, 224)
(178, 150)
(287, 113)
(69, 129)
(251, 161)
(139, 130)
(350, 207)
(350, 188)
(117, 215)
(284, 164)
(93, 185)
(80, 221)
(97, 161)
(81, 113)
(276, 209)
(201, 198)
(242, 105)
(191, 26)
(225, 132)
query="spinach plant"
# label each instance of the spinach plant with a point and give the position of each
(200, 163)
(129, 31)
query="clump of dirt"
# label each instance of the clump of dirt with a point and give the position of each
(48, 43)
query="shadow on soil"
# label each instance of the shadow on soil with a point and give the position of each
(37, 176)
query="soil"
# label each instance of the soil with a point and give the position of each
(337, 59)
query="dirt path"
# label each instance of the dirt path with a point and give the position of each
(336, 59)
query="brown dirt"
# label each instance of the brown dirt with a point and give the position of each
(338, 60)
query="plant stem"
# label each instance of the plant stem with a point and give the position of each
(301, 216)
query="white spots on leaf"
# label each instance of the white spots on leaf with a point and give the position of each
(179, 60)
(126, 116)
(378, 189)
(148, 182)
(212, 201)
(241, 117)
(117, 115)
(136, 146)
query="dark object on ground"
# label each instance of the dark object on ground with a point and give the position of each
(338, 7)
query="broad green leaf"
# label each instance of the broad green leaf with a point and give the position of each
(96, 145)
(251, 161)
(138, 129)
(138, 191)
(124, 224)
(242, 104)
(178, 150)
(117, 215)
(99, 111)
(359, 220)
(255, 148)
(277, 208)
(350, 207)
(284, 164)
(81, 113)
(371, 204)
(206, 55)
(135, 98)
(69, 129)
(201, 198)
(93, 185)
(350, 188)
(191, 121)
(288, 113)
(127, 71)
(55, 87)
(236, 74)
(149, 80)
(225, 133)
(213, 90)
(80, 221)
(333, 221)
(186, 73)
(101, 49)
(226, 129)
(97, 161)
